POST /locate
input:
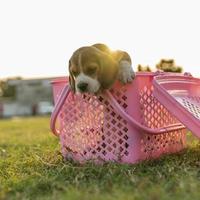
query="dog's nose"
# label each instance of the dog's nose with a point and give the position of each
(82, 86)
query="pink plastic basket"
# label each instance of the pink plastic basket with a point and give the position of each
(181, 94)
(125, 124)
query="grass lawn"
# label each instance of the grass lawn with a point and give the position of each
(31, 167)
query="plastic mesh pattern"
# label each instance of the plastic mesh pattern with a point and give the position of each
(169, 142)
(81, 123)
(192, 104)
(155, 115)
(91, 129)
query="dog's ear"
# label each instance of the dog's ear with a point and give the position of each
(71, 78)
(119, 55)
(102, 47)
(108, 71)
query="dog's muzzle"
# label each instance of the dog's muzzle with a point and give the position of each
(82, 86)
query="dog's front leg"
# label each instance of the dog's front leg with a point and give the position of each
(126, 73)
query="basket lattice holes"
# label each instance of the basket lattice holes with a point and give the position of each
(155, 115)
(192, 104)
(91, 129)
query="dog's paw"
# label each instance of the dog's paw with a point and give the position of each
(126, 73)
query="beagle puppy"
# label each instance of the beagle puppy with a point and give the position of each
(95, 68)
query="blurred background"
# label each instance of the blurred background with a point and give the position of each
(38, 37)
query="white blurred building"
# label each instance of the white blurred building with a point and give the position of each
(31, 97)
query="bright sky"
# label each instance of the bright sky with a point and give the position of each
(37, 37)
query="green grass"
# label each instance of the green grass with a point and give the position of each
(31, 167)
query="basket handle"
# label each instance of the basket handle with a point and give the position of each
(172, 127)
(64, 94)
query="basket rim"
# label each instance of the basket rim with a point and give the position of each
(62, 79)
(65, 79)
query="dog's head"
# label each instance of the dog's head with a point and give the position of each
(91, 70)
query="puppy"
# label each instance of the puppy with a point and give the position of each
(95, 68)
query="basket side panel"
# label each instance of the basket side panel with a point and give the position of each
(92, 130)
(155, 115)
(167, 143)
(152, 114)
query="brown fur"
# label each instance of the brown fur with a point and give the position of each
(98, 58)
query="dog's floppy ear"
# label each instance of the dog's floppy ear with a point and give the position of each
(102, 47)
(108, 71)
(71, 78)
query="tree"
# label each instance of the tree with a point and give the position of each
(168, 65)
(141, 68)
(7, 90)
(2, 87)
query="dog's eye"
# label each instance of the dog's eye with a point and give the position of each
(75, 73)
(91, 70)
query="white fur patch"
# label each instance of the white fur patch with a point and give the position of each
(93, 84)
(126, 73)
